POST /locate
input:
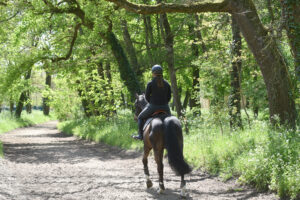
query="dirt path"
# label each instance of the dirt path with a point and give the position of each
(42, 163)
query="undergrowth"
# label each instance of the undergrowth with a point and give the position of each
(115, 132)
(257, 155)
(9, 122)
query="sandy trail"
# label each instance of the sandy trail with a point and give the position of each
(42, 163)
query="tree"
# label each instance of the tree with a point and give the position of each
(23, 97)
(46, 106)
(264, 48)
(291, 20)
(169, 42)
(235, 94)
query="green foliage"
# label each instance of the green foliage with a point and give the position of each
(116, 131)
(126, 71)
(9, 122)
(63, 100)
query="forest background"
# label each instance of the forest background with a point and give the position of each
(234, 67)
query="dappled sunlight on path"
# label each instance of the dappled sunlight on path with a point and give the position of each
(42, 163)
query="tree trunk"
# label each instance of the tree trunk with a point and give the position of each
(131, 50)
(291, 11)
(84, 102)
(272, 64)
(169, 41)
(197, 37)
(186, 99)
(11, 107)
(46, 106)
(109, 81)
(255, 97)
(28, 105)
(235, 94)
(23, 98)
(126, 72)
(146, 25)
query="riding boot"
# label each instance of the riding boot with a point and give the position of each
(140, 133)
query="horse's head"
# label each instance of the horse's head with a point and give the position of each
(139, 104)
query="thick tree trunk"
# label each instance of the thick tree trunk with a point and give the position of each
(126, 72)
(46, 106)
(272, 64)
(23, 98)
(131, 50)
(235, 94)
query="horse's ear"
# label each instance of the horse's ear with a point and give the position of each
(143, 93)
(136, 95)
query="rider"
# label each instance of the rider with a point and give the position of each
(158, 95)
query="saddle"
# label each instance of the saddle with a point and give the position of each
(159, 113)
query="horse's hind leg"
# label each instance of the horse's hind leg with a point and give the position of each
(183, 187)
(145, 163)
(158, 153)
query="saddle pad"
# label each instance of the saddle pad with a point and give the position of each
(147, 123)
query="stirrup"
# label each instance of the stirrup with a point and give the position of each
(137, 137)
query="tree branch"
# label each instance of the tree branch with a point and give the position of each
(68, 55)
(5, 20)
(203, 6)
(3, 4)
(76, 10)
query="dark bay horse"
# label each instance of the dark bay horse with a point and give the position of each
(163, 132)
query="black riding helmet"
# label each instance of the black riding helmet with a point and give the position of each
(157, 69)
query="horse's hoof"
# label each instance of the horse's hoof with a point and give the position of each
(161, 188)
(183, 192)
(149, 184)
(160, 191)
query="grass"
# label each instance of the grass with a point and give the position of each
(258, 155)
(115, 132)
(9, 122)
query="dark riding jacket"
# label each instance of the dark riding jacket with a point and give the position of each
(157, 97)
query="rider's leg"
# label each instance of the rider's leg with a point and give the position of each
(147, 112)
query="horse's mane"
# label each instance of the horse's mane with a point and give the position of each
(143, 101)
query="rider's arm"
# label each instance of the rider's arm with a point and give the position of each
(169, 93)
(148, 92)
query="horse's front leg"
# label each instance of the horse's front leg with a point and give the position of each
(183, 187)
(146, 170)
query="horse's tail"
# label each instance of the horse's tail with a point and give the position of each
(174, 145)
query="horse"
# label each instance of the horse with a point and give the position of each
(163, 132)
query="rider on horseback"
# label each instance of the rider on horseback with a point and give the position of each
(158, 95)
